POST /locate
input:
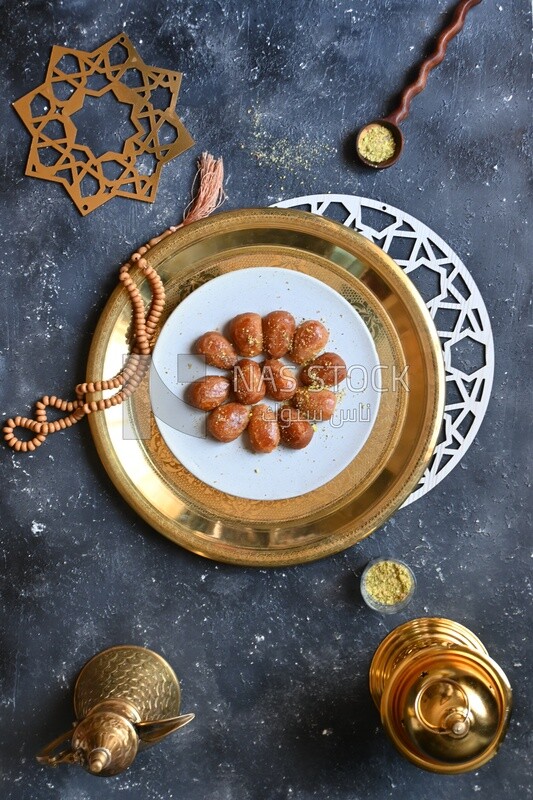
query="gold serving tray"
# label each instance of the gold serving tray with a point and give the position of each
(380, 477)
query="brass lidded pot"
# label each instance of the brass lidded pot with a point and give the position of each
(443, 701)
(125, 699)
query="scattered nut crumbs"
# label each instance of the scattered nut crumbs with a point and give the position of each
(341, 394)
(388, 582)
(288, 156)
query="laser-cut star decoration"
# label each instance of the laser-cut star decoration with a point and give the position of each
(57, 153)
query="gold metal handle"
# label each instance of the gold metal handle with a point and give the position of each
(152, 732)
(454, 719)
(66, 756)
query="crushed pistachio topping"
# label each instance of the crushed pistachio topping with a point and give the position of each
(376, 144)
(388, 582)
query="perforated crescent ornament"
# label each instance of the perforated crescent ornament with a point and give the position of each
(146, 97)
(454, 302)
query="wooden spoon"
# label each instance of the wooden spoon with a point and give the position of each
(389, 124)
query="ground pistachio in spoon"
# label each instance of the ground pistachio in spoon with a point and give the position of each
(376, 143)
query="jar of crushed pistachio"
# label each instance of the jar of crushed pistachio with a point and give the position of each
(387, 585)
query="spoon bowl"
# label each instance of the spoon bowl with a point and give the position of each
(398, 143)
(392, 121)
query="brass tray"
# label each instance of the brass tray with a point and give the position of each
(380, 477)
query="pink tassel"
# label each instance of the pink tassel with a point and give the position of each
(210, 193)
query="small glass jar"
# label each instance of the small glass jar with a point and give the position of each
(398, 581)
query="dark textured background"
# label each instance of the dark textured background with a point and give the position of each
(274, 663)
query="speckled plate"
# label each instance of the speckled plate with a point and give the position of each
(379, 476)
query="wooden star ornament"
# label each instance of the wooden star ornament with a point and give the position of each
(57, 152)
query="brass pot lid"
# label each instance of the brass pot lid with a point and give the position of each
(445, 704)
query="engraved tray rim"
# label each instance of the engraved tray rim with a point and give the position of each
(418, 336)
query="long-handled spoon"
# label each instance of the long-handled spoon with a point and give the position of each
(379, 144)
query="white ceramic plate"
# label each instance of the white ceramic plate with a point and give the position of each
(232, 467)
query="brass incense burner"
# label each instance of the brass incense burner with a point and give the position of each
(443, 701)
(125, 698)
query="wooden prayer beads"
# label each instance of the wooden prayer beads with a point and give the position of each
(209, 196)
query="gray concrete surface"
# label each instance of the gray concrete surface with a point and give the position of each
(274, 663)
